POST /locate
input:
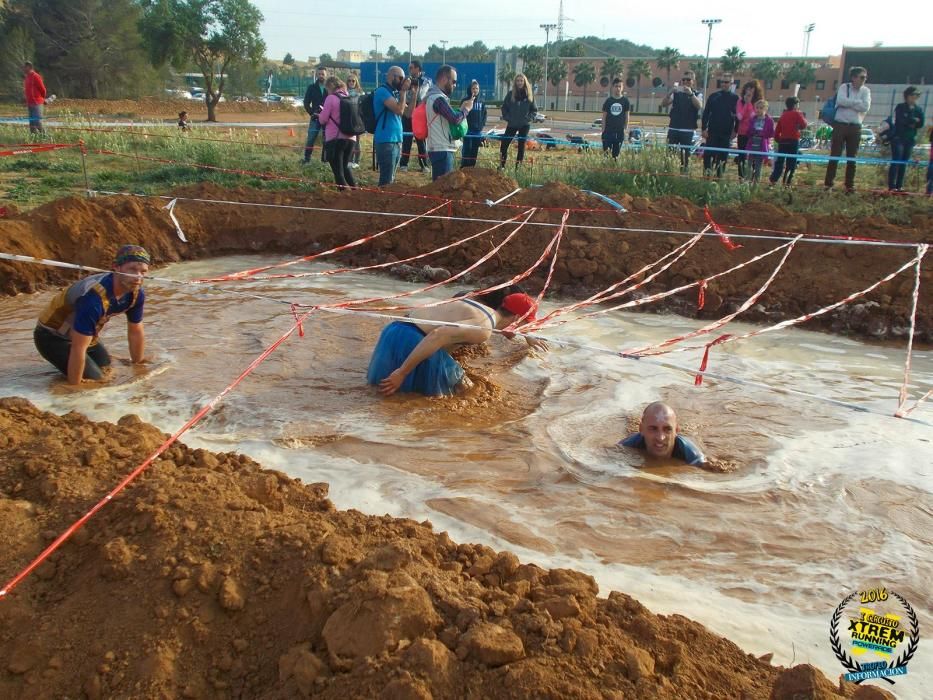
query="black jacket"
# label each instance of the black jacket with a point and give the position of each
(314, 99)
(476, 117)
(520, 113)
(719, 113)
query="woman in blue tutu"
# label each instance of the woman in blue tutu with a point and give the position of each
(415, 357)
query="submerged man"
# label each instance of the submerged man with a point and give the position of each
(67, 334)
(413, 356)
(657, 435)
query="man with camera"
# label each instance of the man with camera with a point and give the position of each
(389, 104)
(685, 105)
(419, 84)
(442, 143)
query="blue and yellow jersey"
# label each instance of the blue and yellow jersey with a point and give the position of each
(88, 304)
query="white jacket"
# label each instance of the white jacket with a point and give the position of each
(438, 128)
(852, 105)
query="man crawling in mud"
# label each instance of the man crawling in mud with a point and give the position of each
(415, 357)
(657, 435)
(67, 334)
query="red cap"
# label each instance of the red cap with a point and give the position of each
(520, 304)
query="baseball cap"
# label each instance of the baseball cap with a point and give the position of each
(520, 304)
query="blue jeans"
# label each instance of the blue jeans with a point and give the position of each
(470, 149)
(314, 128)
(930, 177)
(387, 155)
(35, 117)
(442, 162)
(900, 150)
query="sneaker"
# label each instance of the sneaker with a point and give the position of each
(353, 165)
(403, 168)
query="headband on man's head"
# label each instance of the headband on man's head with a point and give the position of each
(131, 253)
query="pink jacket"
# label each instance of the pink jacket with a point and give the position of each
(766, 134)
(330, 117)
(744, 112)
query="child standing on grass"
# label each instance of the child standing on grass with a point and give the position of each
(787, 135)
(760, 133)
(183, 121)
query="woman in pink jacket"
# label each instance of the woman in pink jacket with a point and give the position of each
(338, 147)
(744, 111)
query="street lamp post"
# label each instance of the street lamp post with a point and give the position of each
(709, 23)
(376, 56)
(409, 28)
(547, 45)
(806, 44)
(444, 44)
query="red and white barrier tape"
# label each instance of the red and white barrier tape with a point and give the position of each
(27, 149)
(196, 418)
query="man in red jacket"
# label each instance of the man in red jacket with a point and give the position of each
(34, 92)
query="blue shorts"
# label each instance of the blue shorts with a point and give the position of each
(438, 375)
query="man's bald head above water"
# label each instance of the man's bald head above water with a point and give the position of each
(659, 429)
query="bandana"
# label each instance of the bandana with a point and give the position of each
(131, 253)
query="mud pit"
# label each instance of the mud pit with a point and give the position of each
(88, 231)
(210, 577)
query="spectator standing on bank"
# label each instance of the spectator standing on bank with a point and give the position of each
(685, 104)
(787, 134)
(355, 90)
(34, 93)
(908, 120)
(518, 111)
(388, 107)
(441, 117)
(313, 103)
(476, 122)
(760, 133)
(417, 92)
(853, 100)
(720, 125)
(745, 112)
(616, 109)
(338, 145)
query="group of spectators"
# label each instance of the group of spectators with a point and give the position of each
(743, 117)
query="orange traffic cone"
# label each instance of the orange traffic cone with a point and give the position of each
(291, 132)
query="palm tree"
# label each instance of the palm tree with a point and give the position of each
(506, 75)
(638, 69)
(766, 71)
(801, 72)
(667, 59)
(733, 61)
(610, 68)
(556, 71)
(583, 74)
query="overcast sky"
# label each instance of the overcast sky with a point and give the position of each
(769, 29)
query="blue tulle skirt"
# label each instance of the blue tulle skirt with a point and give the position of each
(436, 376)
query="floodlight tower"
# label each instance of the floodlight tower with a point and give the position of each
(709, 23)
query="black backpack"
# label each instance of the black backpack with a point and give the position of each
(350, 120)
(368, 111)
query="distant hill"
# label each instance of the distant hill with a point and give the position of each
(597, 47)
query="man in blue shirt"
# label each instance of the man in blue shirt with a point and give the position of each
(657, 435)
(67, 334)
(388, 105)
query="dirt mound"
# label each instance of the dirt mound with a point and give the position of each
(210, 577)
(590, 258)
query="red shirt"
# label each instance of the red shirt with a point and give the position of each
(34, 89)
(789, 126)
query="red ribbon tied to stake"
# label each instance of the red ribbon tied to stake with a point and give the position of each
(726, 241)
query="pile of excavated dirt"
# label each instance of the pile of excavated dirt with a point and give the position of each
(210, 577)
(816, 274)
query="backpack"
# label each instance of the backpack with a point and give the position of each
(419, 121)
(828, 112)
(350, 120)
(886, 131)
(367, 106)
(458, 131)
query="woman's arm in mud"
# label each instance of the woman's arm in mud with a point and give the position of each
(439, 338)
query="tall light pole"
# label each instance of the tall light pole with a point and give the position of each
(547, 45)
(806, 43)
(409, 28)
(444, 44)
(376, 56)
(709, 23)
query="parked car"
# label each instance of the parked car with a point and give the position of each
(540, 117)
(271, 98)
(597, 122)
(867, 137)
(178, 94)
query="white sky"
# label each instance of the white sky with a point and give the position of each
(770, 29)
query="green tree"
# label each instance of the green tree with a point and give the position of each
(325, 59)
(16, 48)
(610, 68)
(289, 60)
(392, 53)
(637, 70)
(571, 49)
(668, 59)
(477, 52)
(556, 71)
(801, 72)
(584, 74)
(506, 75)
(733, 60)
(214, 35)
(766, 71)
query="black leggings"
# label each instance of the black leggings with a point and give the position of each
(510, 132)
(339, 155)
(56, 350)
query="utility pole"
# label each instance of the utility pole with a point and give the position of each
(409, 28)
(376, 56)
(547, 45)
(806, 43)
(444, 44)
(709, 23)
